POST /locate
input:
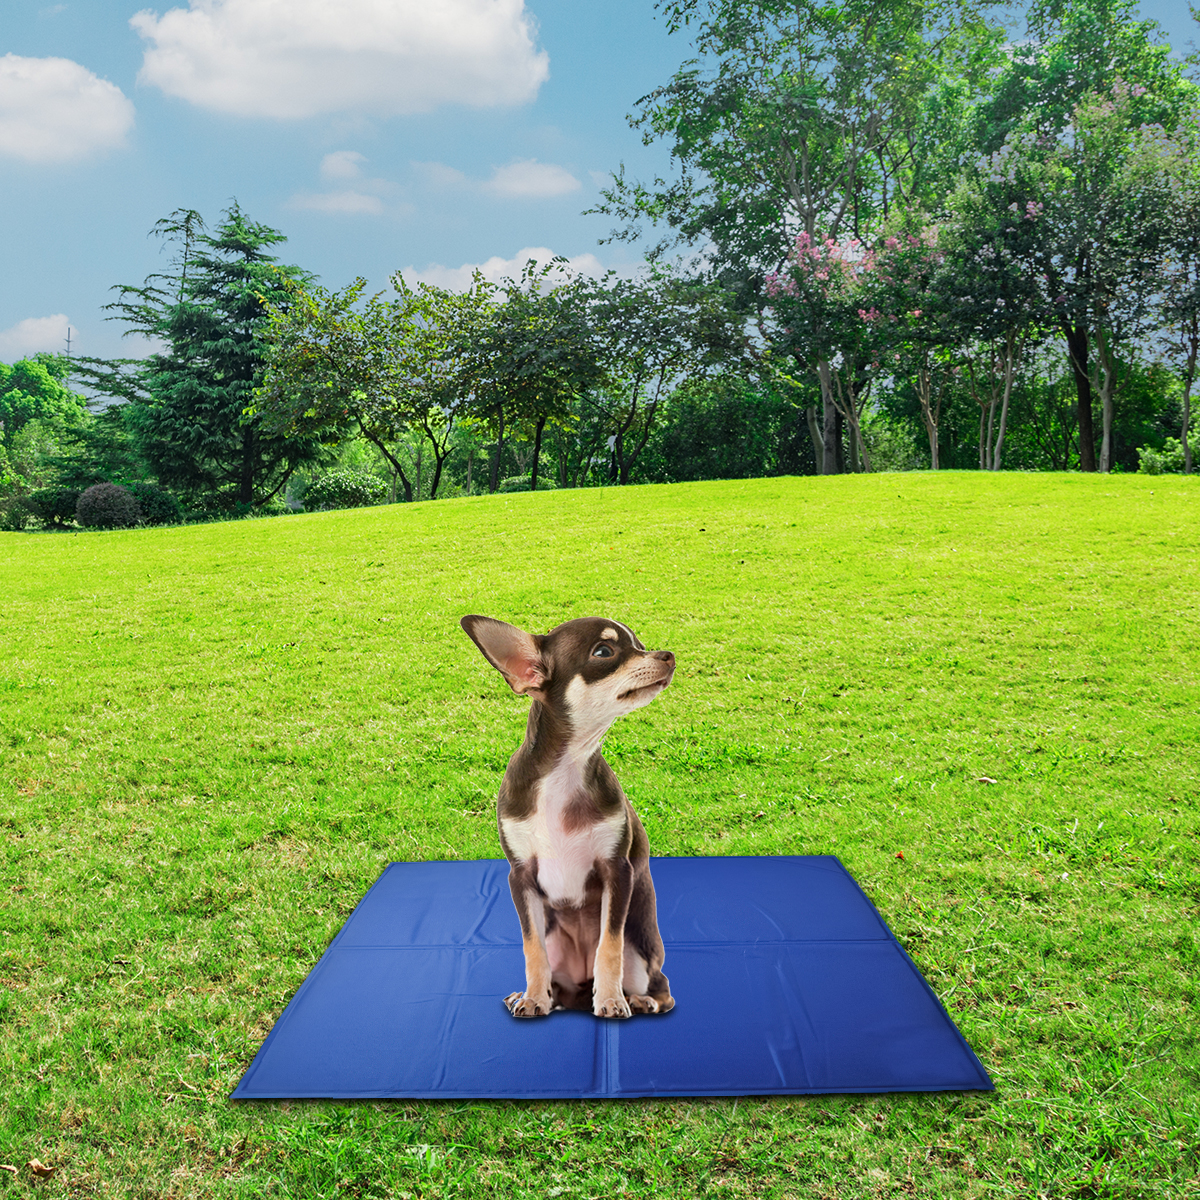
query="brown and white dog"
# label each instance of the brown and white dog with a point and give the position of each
(579, 857)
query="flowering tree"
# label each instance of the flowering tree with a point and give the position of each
(1058, 130)
(801, 116)
(923, 339)
(821, 315)
(852, 314)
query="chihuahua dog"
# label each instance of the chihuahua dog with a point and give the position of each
(579, 857)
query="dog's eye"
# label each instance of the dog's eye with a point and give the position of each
(603, 651)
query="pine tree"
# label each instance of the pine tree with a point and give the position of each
(189, 400)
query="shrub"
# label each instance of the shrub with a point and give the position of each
(520, 483)
(1168, 460)
(107, 506)
(15, 514)
(55, 506)
(344, 488)
(158, 506)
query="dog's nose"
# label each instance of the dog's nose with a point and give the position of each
(665, 656)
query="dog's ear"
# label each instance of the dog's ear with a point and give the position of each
(517, 655)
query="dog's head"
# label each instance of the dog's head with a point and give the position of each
(589, 671)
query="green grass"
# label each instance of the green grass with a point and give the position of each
(213, 738)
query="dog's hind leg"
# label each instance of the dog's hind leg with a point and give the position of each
(646, 991)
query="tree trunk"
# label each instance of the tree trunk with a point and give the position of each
(378, 442)
(1077, 351)
(1107, 368)
(810, 415)
(984, 445)
(537, 452)
(830, 425)
(1010, 371)
(1188, 380)
(928, 416)
(494, 480)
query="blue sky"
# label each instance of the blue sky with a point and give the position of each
(378, 135)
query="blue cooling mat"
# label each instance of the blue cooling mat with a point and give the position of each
(785, 980)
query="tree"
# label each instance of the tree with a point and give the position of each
(98, 450)
(533, 357)
(656, 332)
(383, 368)
(189, 401)
(823, 317)
(797, 118)
(1061, 120)
(38, 411)
(990, 290)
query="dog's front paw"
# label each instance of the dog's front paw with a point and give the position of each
(615, 1006)
(521, 1004)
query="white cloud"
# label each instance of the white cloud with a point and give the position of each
(439, 175)
(342, 164)
(528, 177)
(496, 268)
(525, 178)
(54, 110)
(347, 202)
(298, 58)
(33, 334)
(365, 199)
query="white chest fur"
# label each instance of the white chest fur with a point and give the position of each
(565, 857)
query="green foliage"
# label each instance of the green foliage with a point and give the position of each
(520, 483)
(388, 370)
(16, 514)
(34, 389)
(107, 506)
(213, 738)
(55, 506)
(100, 449)
(187, 405)
(790, 117)
(724, 428)
(155, 504)
(344, 488)
(1169, 460)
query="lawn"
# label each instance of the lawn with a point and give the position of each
(979, 691)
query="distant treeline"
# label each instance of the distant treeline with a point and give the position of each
(905, 236)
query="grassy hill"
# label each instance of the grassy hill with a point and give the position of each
(979, 691)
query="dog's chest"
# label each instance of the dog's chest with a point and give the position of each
(565, 853)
